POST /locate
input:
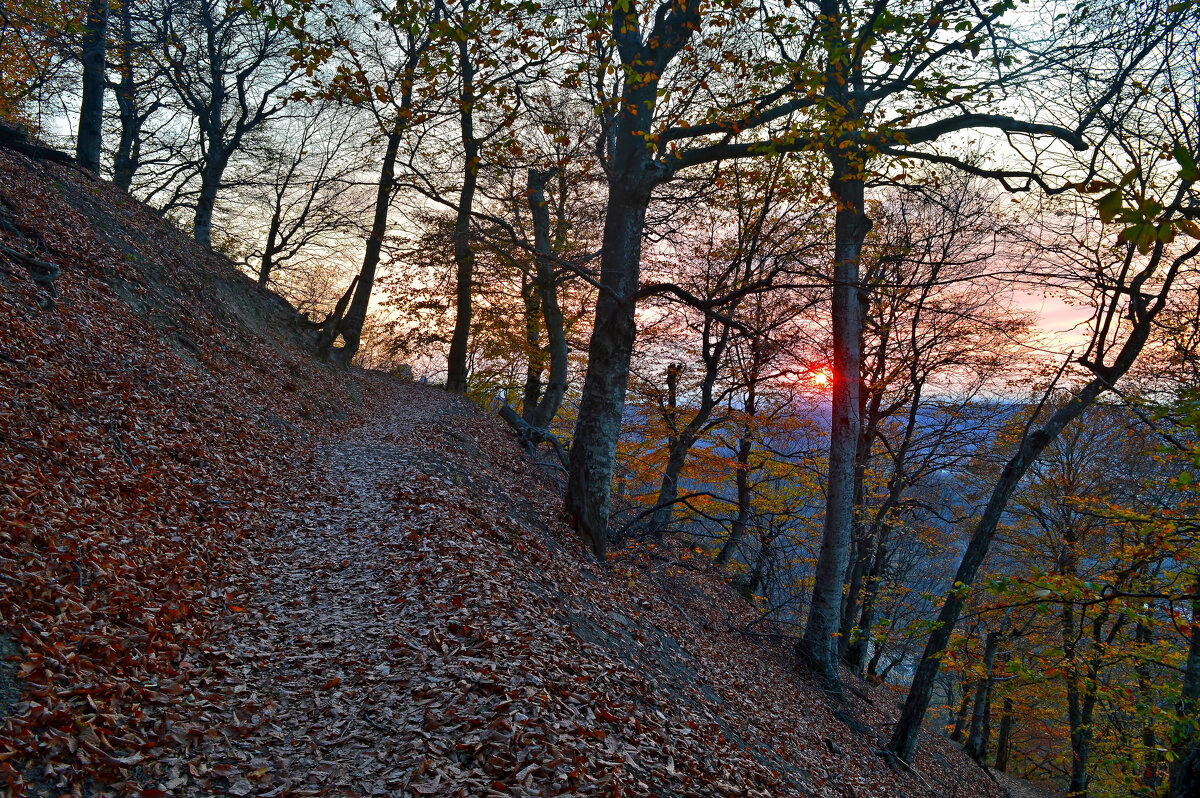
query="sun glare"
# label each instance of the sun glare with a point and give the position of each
(820, 378)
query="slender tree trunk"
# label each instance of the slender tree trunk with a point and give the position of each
(1185, 768)
(985, 734)
(350, 327)
(975, 746)
(91, 110)
(464, 252)
(896, 660)
(1080, 717)
(881, 527)
(334, 319)
(964, 712)
(762, 563)
(903, 743)
(742, 480)
(861, 548)
(873, 663)
(268, 257)
(1004, 738)
(668, 489)
(1079, 722)
(819, 647)
(1149, 778)
(212, 133)
(856, 656)
(547, 291)
(129, 145)
(535, 363)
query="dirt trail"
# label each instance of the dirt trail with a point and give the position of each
(379, 616)
(416, 628)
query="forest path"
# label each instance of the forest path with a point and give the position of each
(370, 626)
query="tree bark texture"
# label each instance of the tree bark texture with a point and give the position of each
(1004, 737)
(594, 448)
(1185, 746)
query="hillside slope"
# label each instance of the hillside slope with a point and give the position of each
(221, 573)
(421, 623)
(152, 406)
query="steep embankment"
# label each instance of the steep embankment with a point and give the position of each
(196, 605)
(149, 414)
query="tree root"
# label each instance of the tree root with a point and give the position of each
(530, 436)
(42, 272)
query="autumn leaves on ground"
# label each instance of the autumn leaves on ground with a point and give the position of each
(228, 569)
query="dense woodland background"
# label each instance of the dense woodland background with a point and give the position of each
(889, 308)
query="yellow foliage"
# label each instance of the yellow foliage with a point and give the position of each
(32, 35)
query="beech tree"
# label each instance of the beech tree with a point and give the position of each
(306, 193)
(494, 56)
(139, 87)
(939, 326)
(378, 60)
(232, 72)
(762, 231)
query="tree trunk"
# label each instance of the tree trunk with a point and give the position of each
(268, 257)
(632, 175)
(535, 363)
(668, 489)
(881, 527)
(742, 480)
(762, 563)
(861, 542)
(91, 109)
(350, 327)
(1078, 705)
(964, 712)
(594, 448)
(212, 135)
(1185, 768)
(210, 184)
(129, 145)
(547, 291)
(856, 656)
(976, 746)
(864, 535)
(464, 252)
(1149, 779)
(819, 647)
(1004, 738)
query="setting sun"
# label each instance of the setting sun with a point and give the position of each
(820, 378)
